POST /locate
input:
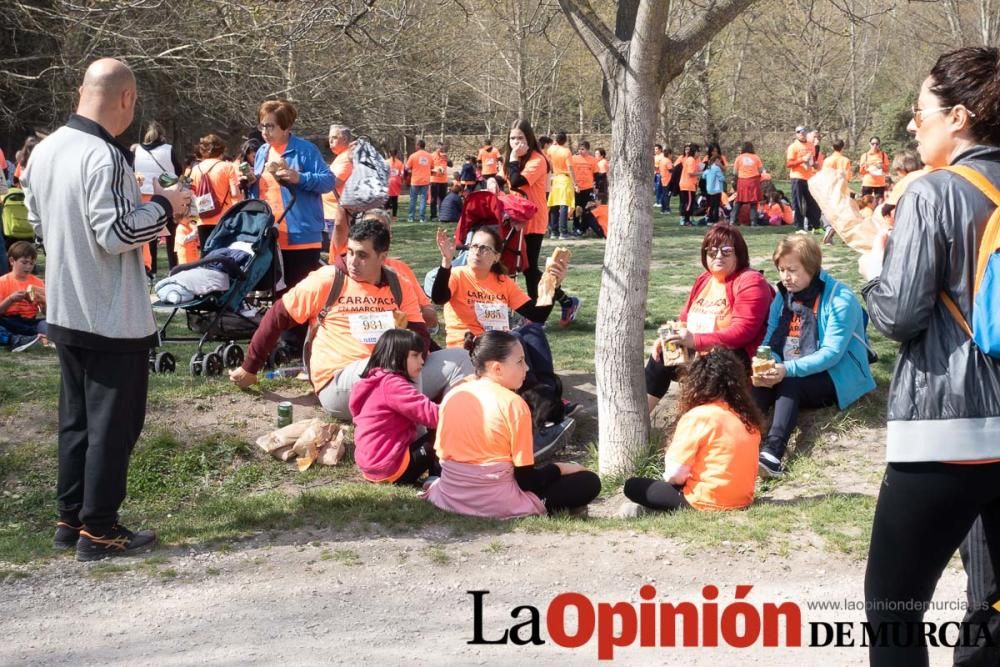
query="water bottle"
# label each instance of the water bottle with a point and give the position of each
(283, 373)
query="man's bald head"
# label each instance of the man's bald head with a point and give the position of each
(108, 76)
(108, 94)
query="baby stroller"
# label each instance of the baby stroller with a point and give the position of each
(507, 213)
(225, 315)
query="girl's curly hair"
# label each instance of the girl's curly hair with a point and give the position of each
(721, 376)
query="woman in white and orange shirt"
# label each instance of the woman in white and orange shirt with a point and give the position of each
(477, 297)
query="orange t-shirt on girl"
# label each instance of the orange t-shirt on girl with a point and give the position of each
(715, 448)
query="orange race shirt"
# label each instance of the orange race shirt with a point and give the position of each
(666, 165)
(352, 326)
(490, 158)
(270, 191)
(395, 176)
(748, 165)
(482, 422)
(419, 164)
(406, 275)
(710, 311)
(690, 174)
(839, 162)
(712, 442)
(559, 158)
(187, 250)
(224, 180)
(583, 172)
(536, 172)
(9, 284)
(794, 156)
(479, 305)
(873, 168)
(341, 167)
(600, 213)
(439, 167)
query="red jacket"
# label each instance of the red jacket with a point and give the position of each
(750, 296)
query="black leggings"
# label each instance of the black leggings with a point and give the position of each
(810, 392)
(393, 205)
(568, 492)
(655, 494)
(687, 204)
(533, 274)
(423, 459)
(924, 511)
(981, 588)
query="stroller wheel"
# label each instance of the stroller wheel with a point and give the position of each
(220, 349)
(232, 355)
(279, 357)
(165, 363)
(197, 361)
(152, 362)
(212, 364)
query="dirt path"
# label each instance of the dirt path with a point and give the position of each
(321, 599)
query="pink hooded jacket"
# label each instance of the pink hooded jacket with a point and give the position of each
(387, 409)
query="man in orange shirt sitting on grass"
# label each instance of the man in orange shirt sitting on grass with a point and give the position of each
(372, 300)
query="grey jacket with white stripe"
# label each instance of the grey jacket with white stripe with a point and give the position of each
(84, 202)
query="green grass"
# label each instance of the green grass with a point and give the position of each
(217, 488)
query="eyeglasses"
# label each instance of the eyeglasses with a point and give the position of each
(263, 127)
(918, 114)
(475, 247)
(724, 251)
(875, 143)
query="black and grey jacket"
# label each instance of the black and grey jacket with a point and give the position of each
(944, 400)
(83, 200)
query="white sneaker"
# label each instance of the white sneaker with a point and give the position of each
(630, 510)
(24, 346)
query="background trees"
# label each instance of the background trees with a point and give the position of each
(397, 69)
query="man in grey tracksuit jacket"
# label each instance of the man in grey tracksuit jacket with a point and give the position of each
(84, 201)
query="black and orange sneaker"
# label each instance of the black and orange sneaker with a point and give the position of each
(66, 534)
(118, 541)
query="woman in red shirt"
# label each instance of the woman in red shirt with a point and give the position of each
(728, 306)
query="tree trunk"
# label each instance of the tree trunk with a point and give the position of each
(623, 418)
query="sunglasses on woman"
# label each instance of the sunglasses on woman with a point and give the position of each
(918, 114)
(724, 251)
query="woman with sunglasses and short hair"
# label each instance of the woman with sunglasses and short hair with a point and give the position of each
(727, 306)
(816, 333)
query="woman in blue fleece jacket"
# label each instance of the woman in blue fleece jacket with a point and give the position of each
(287, 166)
(816, 333)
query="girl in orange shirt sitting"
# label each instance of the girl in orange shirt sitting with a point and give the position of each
(711, 462)
(484, 443)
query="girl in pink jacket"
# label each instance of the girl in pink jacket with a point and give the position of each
(387, 410)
